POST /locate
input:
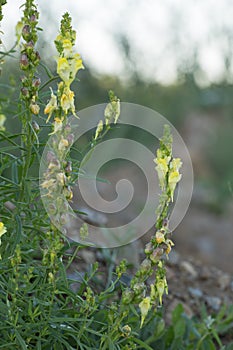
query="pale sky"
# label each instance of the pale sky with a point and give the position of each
(160, 33)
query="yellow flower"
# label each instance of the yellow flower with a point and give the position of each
(51, 106)
(117, 107)
(67, 100)
(98, 129)
(63, 144)
(76, 64)
(169, 244)
(2, 229)
(161, 286)
(57, 125)
(175, 164)
(152, 292)
(61, 178)
(173, 178)
(67, 68)
(67, 47)
(51, 277)
(2, 121)
(63, 69)
(159, 153)
(159, 236)
(112, 111)
(144, 308)
(162, 169)
(48, 183)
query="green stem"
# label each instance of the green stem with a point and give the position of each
(26, 140)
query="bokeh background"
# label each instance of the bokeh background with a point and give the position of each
(173, 56)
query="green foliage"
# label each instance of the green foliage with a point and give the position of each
(186, 334)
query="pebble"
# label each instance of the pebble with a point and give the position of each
(231, 285)
(77, 279)
(213, 302)
(88, 256)
(195, 292)
(205, 273)
(9, 205)
(188, 267)
(224, 281)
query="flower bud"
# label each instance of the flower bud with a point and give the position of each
(51, 275)
(35, 126)
(25, 92)
(24, 80)
(145, 265)
(24, 63)
(156, 255)
(29, 47)
(37, 59)
(51, 156)
(127, 296)
(35, 109)
(139, 288)
(126, 330)
(34, 17)
(36, 82)
(26, 32)
(149, 248)
(68, 168)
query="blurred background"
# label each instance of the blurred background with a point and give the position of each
(173, 56)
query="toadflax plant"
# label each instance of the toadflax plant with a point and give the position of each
(39, 308)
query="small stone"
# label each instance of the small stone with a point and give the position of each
(213, 302)
(231, 285)
(195, 292)
(88, 256)
(205, 273)
(224, 281)
(187, 267)
(75, 280)
(9, 205)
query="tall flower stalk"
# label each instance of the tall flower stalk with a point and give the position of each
(140, 292)
(27, 31)
(61, 103)
(56, 180)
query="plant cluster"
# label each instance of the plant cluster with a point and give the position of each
(38, 307)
